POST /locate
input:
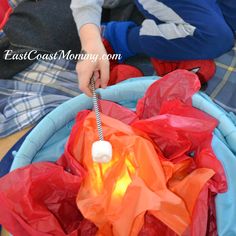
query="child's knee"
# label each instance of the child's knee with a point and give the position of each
(217, 39)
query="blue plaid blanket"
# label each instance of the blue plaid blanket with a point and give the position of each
(1, 34)
(33, 93)
(14, 3)
(222, 88)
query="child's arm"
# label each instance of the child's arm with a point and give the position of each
(87, 16)
(91, 43)
(86, 11)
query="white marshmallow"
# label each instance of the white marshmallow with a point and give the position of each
(102, 151)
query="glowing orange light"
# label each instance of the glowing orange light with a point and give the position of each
(98, 171)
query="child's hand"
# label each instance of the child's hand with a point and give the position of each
(93, 47)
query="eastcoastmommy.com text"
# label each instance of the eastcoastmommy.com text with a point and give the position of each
(61, 54)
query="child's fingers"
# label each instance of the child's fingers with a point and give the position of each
(97, 83)
(104, 73)
(96, 76)
(84, 77)
(86, 70)
(85, 87)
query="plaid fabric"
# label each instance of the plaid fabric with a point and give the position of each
(33, 93)
(1, 34)
(222, 88)
(14, 3)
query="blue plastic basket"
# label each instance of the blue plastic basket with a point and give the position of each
(46, 141)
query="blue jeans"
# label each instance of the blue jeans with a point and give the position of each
(177, 30)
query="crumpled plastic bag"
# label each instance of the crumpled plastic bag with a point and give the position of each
(116, 196)
(170, 98)
(147, 189)
(183, 134)
(40, 200)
